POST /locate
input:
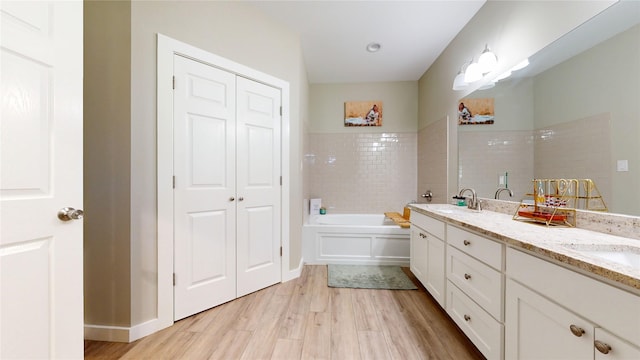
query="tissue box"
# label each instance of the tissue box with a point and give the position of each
(314, 206)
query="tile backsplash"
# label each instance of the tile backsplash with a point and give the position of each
(432, 161)
(362, 172)
(485, 156)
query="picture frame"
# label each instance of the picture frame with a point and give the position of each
(363, 113)
(476, 111)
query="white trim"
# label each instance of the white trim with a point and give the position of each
(293, 273)
(121, 333)
(166, 48)
(106, 333)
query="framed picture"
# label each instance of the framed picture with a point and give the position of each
(475, 111)
(363, 113)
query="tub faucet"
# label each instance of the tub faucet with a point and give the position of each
(474, 203)
(500, 190)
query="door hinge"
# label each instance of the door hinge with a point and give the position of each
(174, 279)
(280, 180)
(280, 110)
(280, 251)
(173, 85)
(174, 181)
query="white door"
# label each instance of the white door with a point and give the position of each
(41, 307)
(258, 182)
(204, 195)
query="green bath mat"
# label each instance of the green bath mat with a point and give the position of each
(369, 277)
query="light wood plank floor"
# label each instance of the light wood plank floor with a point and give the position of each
(305, 319)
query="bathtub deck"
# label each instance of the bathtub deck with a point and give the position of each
(304, 318)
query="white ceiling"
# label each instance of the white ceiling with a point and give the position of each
(334, 35)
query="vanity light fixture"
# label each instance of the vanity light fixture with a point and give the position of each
(504, 75)
(473, 73)
(487, 86)
(523, 64)
(458, 81)
(373, 47)
(488, 61)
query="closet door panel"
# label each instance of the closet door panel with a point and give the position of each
(258, 183)
(204, 194)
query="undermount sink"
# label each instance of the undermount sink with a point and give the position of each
(620, 254)
(456, 210)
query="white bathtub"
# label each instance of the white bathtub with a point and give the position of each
(367, 239)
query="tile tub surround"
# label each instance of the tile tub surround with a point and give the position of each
(432, 161)
(607, 223)
(546, 242)
(362, 172)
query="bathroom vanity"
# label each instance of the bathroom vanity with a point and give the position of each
(527, 291)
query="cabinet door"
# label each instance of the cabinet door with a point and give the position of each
(435, 268)
(614, 347)
(419, 248)
(537, 328)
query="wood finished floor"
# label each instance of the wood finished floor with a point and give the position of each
(305, 319)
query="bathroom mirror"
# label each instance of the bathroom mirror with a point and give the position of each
(572, 113)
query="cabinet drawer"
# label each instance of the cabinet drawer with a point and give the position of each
(435, 227)
(483, 330)
(483, 249)
(480, 282)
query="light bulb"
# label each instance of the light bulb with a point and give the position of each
(487, 61)
(458, 82)
(473, 73)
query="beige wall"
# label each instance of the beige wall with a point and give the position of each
(229, 29)
(107, 147)
(400, 105)
(356, 169)
(514, 30)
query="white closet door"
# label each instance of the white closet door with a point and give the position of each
(204, 195)
(41, 303)
(258, 182)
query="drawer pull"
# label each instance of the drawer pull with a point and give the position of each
(577, 331)
(466, 243)
(467, 317)
(468, 276)
(602, 347)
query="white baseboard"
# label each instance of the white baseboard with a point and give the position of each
(133, 333)
(295, 273)
(122, 333)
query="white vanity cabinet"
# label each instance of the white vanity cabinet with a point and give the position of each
(427, 254)
(555, 313)
(474, 269)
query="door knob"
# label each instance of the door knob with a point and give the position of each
(69, 213)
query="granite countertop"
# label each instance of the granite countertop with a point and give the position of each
(557, 243)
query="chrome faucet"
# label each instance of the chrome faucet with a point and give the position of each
(474, 203)
(500, 190)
